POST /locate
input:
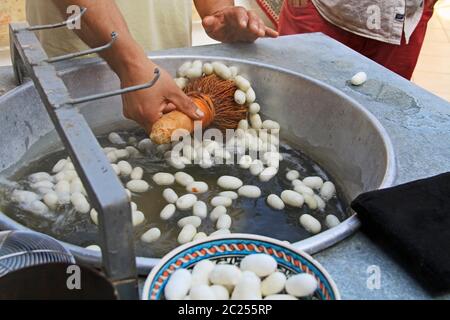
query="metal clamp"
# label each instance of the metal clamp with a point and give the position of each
(104, 188)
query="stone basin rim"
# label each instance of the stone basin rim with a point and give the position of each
(311, 245)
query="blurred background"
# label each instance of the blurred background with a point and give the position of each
(432, 72)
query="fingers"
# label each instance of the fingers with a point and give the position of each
(256, 25)
(185, 105)
(271, 33)
(169, 108)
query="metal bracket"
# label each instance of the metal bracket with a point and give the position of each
(104, 188)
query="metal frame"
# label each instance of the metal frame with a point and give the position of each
(102, 184)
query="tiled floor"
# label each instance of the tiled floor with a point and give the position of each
(433, 69)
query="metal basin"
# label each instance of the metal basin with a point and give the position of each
(332, 129)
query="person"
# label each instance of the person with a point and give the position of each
(390, 32)
(153, 25)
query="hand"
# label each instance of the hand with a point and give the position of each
(147, 106)
(236, 24)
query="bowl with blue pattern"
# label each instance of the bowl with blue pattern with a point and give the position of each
(231, 250)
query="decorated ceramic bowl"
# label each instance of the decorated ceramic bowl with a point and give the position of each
(231, 250)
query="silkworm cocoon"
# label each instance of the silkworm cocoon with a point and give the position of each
(220, 292)
(311, 201)
(137, 173)
(181, 82)
(275, 202)
(107, 150)
(222, 70)
(256, 167)
(164, 179)
(170, 195)
(254, 108)
(229, 194)
(59, 166)
(132, 151)
(39, 177)
(248, 287)
(145, 145)
(94, 216)
(115, 138)
(77, 186)
(116, 169)
(111, 156)
(217, 212)
(225, 275)
(327, 191)
(262, 265)
(132, 141)
(201, 272)
(138, 186)
(222, 155)
(63, 198)
(297, 182)
(245, 162)
(37, 207)
(229, 183)
(280, 297)
(70, 175)
(80, 203)
(184, 68)
(313, 182)
(221, 201)
(255, 121)
(183, 179)
(122, 154)
(271, 125)
(198, 64)
(321, 205)
(243, 124)
(151, 235)
(94, 247)
(138, 218)
(242, 83)
(252, 192)
(310, 224)
(194, 73)
(125, 169)
(134, 206)
(168, 212)
(208, 69)
(197, 187)
(224, 222)
(42, 185)
(187, 234)
(292, 198)
(301, 285)
(176, 162)
(331, 221)
(200, 236)
(239, 97)
(186, 202)
(128, 192)
(62, 187)
(202, 293)
(51, 200)
(273, 284)
(359, 79)
(200, 210)
(304, 190)
(293, 175)
(178, 285)
(193, 220)
(268, 174)
(234, 71)
(220, 232)
(250, 95)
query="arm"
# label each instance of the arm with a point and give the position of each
(129, 61)
(225, 22)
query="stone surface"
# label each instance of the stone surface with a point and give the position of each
(417, 121)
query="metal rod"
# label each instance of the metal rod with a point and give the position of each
(69, 56)
(117, 92)
(57, 25)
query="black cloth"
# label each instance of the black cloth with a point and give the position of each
(412, 221)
